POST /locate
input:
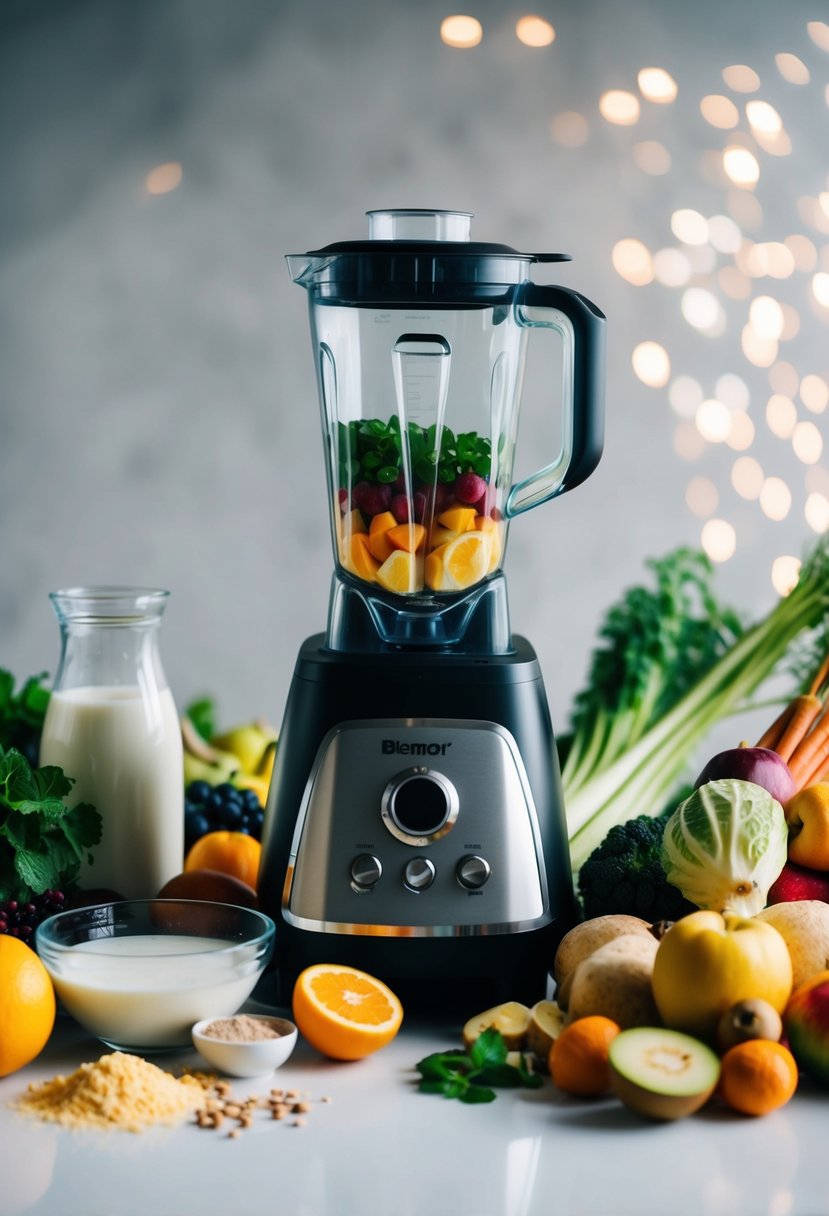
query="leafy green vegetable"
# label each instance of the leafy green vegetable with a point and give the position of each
(471, 1075)
(202, 713)
(625, 875)
(725, 845)
(376, 451)
(22, 713)
(636, 731)
(42, 842)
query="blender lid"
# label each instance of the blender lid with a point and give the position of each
(412, 251)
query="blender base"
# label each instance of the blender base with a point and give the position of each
(354, 723)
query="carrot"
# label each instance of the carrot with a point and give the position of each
(819, 773)
(805, 711)
(811, 751)
(820, 678)
(770, 737)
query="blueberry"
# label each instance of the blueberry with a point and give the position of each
(229, 792)
(199, 791)
(196, 826)
(214, 801)
(230, 815)
(251, 799)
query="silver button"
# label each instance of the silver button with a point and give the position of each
(365, 871)
(419, 873)
(473, 872)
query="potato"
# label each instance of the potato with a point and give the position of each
(582, 940)
(511, 1019)
(804, 926)
(615, 981)
(546, 1023)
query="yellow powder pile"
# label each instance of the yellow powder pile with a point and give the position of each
(119, 1090)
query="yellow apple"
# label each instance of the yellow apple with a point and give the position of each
(707, 962)
(807, 815)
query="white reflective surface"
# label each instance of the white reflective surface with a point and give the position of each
(380, 1147)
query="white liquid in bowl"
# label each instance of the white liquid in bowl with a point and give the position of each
(148, 991)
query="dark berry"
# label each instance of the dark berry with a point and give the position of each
(251, 799)
(399, 508)
(469, 488)
(199, 790)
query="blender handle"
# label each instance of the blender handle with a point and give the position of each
(582, 327)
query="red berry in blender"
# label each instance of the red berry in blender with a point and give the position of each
(342, 499)
(400, 508)
(469, 488)
(419, 505)
(373, 499)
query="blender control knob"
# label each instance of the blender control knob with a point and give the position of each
(419, 873)
(365, 871)
(473, 872)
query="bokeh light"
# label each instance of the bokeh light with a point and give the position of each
(741, 436)
(684, 395)
(807, 443)
(741, 166)
(816, 512)
(785, 571)
(713, 420)
(652, 364)
(740, 78)
(461, 31)
(820, 288)
(718, 539)
(814, 393)
(703, 311)
(689, 445)
(781, 416)
(632, 260)
(689, 226)
(164, 178)
(791, 68)
(671, 267)
(724, 234)
(766, 316)
(570, 129)
(763, 117)
(818, 31)
(760, 351)
(702, 497)
(619, 107)
(652, 157)
(775, 499)
(719, 111)
(784, 379)
(747, 477)
(534, 31)
(657, 85)
(732, 390)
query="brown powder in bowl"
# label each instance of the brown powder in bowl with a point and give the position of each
(117, 1091)
(244, 1029)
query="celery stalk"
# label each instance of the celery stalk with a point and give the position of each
(602, 787)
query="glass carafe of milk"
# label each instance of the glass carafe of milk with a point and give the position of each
(112, 725)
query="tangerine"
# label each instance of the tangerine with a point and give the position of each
(27, 1005)
(758, 1076)
(578, 1058)
(233, 853)
(344, 1013)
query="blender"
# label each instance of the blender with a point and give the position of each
(414, 826)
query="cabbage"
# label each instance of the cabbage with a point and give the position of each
(725, 845)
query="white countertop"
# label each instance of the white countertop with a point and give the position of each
(381, 1147)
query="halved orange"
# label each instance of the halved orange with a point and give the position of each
(466, 560)
(401, 573)
(345, 1013)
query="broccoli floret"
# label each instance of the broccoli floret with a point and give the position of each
(625, 875)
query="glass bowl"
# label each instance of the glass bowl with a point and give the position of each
(137, 974)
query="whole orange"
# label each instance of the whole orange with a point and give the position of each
(233, 853)
(27, 1005)
(578, 1058)
(758, 1076)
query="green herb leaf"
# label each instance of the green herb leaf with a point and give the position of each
(489, 1049)
(202, 713)
(34, 870)
(476, 1094)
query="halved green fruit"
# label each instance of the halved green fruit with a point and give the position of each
(660, 1073)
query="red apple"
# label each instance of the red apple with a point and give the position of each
(796, 882)
(760, 765)
(806, 1021)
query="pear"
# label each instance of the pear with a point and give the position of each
(250, 742)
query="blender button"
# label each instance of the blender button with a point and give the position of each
(365, 871)
(473, 872)
(419, 873)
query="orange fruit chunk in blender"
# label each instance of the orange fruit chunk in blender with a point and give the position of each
(407, 536)
(458, 519)
(401, 573)
(27, 1005)
(433, 568)
(361, 560)
(466, 560)
(345, 1013)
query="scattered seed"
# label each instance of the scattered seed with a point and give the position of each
(300, 1108)
(325, 1099)
(234, 1135)
(299, 1122)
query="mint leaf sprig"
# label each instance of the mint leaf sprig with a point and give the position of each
(42, 841)
(471, 1075)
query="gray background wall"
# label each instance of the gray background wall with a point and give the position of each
(159, 416)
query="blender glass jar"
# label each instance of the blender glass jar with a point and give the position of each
(419, 337)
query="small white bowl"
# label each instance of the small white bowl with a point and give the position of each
(238, 1058)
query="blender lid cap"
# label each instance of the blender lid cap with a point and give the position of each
(443, 249)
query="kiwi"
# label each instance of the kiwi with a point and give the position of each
(662, 1074)
(511, 1019)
